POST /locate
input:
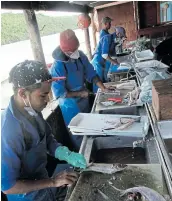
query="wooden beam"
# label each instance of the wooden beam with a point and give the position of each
(87, 43)
(93, 31)
(135, 14)
(35, 38)
(34, 35)
(158, 12)
(115, 3)
(154, 30)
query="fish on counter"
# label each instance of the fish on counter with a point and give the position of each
(105, 168)
(123, 123)
(126, 85)
(108, 103)
(133, 96)
(141, 193)
(105, 197)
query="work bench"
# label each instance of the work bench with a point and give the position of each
(157, 160)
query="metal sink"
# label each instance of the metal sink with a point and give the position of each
(99, 148)
(128, 110)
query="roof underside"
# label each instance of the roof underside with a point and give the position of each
(70, 6)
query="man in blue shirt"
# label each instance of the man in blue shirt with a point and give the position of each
(106, 25)
(75, 66)
(26, 138)
(104, 56)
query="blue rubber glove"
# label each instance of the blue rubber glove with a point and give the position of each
(75, 159)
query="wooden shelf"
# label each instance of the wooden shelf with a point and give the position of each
(154, 30)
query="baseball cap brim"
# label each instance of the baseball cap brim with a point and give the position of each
(55, 79)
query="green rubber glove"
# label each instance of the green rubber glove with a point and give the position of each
(75, 159)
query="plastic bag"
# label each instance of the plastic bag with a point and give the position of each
(147, 82)
(146, 96)
(146, 87)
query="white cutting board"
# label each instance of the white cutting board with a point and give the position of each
(94, 124)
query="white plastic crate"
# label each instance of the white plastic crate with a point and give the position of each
(151, 64)
(144, 55)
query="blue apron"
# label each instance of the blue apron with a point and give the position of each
(33, 167)
(70, 107)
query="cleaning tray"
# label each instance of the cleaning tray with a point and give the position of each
(103, 97)
(104, 124)
(151, 64)
(136, 175)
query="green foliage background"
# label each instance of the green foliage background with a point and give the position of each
(13, 26)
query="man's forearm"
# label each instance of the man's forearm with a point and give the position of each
(98, 82)
(73, 94)
(110, 59)
(25, 186)
(100, 85)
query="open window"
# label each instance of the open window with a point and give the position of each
(165, 11)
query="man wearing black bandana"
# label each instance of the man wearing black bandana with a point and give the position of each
(26, 139)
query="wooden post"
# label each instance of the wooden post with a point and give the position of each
(34, 35)
(93, 31)
(87, 43)
(135, 16)
(35, 38)
(158, 12)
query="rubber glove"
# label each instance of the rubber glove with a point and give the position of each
(75, 159)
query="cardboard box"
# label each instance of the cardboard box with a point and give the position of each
(162, 99)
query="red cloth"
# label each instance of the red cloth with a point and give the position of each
(68, 41)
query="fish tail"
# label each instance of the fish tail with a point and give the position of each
(117, 189)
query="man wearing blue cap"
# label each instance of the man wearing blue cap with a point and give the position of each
(27, 138)
(106, 25)
(106, 52)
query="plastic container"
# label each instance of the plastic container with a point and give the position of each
(151, 64)
(144, 55)
(118, 69)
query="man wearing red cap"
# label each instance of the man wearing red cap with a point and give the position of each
(75, 66)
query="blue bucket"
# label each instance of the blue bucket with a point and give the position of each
(114, 69)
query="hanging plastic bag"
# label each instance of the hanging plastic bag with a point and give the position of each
(146, 87)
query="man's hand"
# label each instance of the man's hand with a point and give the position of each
(73, 158)
(104, 89)
(108, 88)
(64, 178)
(111, 88)
(77, 160)
(115, 62)
(26, 186)
(124, 39)
(84, 94)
